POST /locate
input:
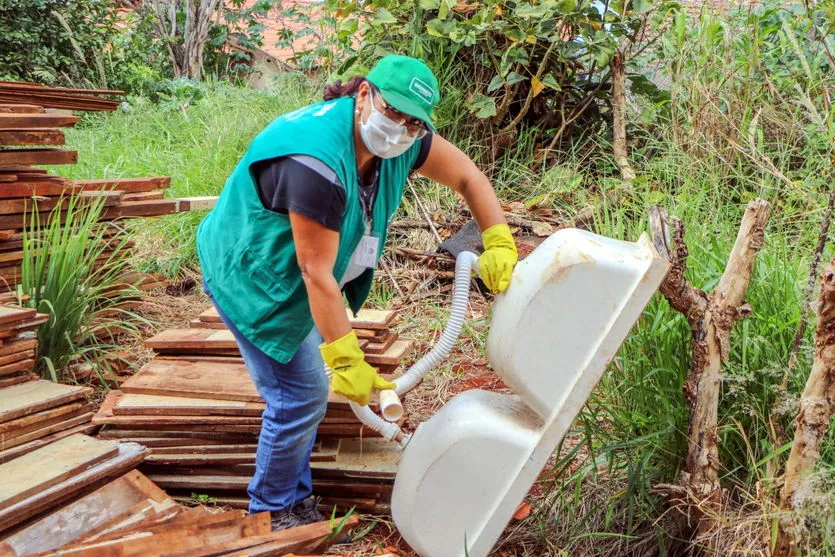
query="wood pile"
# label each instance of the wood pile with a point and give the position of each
(384, 349)
(23, 93)
(197, 410)
(33, 412)
(26, 191)
(81, 497)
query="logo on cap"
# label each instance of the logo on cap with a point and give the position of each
(422, 90)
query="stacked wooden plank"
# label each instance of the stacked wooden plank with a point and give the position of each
(198, 411)
(131, 516)
(31, 136)
(33, 412)
(36, 413)
(18, 343)
(23, 93)
(383, 348)
(58, 472)
(184, 397)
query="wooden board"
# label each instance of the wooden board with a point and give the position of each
(17, 206)
(28, 189)
(380, 347)
(17, 379)
(152, 405)
(201, 379)
(189, 450)
(394, 355)
(32, 137)
(144, 196)
(217, 459)
(40, 418)
(105, 416)
(24, 448)
(132, 185)
(370, 458)
(129, 455)
(174, 339)
(144, 515)
(179, 437)
(37, 156)
(84, 515)
(209, 378)
(21, 108)
(11, 442)
(311, 538)
(198, 324)
(16, 367)
(16, 357)
(50, 465)
(371, 318)
(28, 398)
(178, 537)
(22, 120)
(13, 314)
(210, 315)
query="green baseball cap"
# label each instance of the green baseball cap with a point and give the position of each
(407, 84)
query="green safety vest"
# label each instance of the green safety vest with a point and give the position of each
(247, 252)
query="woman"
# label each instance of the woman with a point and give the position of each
(302, 221)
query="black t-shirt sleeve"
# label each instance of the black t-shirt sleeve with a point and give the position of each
(301, 184)
(425, 145)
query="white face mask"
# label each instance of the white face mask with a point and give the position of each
(383, 137)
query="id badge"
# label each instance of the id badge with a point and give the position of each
(367, 251)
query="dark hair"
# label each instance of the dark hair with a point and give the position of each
(339, 89)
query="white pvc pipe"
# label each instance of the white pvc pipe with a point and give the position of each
(390, 406)
(465, 264)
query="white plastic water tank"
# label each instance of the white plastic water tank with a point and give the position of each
(569, 307)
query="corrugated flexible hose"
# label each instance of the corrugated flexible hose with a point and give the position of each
(465, 264)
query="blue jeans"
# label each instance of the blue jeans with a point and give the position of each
(296, 394)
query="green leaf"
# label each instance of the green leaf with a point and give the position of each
(567, 6)
(383, 16)
(445, 7)
(549, 81)
(641, 6)
(538, 11)
(438, 28)
(483, 106)
(430, 4)
(495, 83)
(513, 78)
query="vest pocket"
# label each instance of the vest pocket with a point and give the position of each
(271, 285)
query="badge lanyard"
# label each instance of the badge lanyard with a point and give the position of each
(369, 244)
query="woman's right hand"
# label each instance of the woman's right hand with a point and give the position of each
(352, 377)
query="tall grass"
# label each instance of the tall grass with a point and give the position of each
(73, 269)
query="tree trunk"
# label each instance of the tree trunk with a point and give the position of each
(619, 117)
(711, 318)
(817, 405)
(186, 43)
(712, 346)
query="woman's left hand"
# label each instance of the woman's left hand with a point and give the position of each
(495, 266)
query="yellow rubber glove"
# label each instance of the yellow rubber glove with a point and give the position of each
(352, 377)
(499, 258)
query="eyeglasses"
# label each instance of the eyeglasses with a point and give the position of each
(414, 127)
